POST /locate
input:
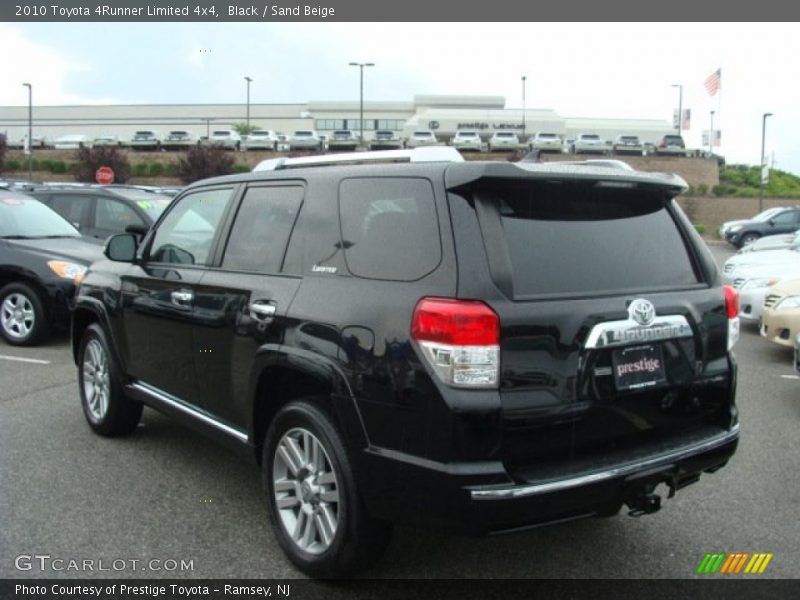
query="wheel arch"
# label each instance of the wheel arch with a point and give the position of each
(88, 311)
(281, 375)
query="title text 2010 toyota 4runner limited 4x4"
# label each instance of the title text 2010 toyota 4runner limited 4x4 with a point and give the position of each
(480, 346)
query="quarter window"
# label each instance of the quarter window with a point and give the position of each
(389, 228)
(113, 215)
(262, 228)
(187, 232)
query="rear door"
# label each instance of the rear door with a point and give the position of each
(784, 222)
(241, 303)
(612, 338)
(112, 216)
(75, 208)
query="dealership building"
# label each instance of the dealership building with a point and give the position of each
(442, 114)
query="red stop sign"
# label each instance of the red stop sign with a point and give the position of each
(104, 175)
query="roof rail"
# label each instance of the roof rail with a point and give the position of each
(608, 163)
(420, 155)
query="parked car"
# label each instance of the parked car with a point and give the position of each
(628, 144)
(99, 212)
(780, 322)
(402, 336)
(42, 142)
(671, 144)
(384, 139)
(786, 220)
(756, 282)
(42, 258)
(72, 142)
(467, 140)
(179, 140)
(146, 140)
(261, 139)
(343, 139)
(733, 265)
(305, 140)
(107, 140)
(762, 216)
(227, 138)
(546, 142)
(503, 140)
(419, 139)
(786, 241)
(590, 143)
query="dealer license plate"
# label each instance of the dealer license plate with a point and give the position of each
(638, 367)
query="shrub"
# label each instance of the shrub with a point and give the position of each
(91, 159)
(3, 148)
(59, 166)
(241, 169)
(700, 228)
(204, 161)
(35, 165)
(12, 165)
(171, 170)
(702, 189)
(46, 165)
(155, 170)
(140, 169)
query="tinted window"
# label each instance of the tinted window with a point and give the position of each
(187, 232)
(21, 216)
(578, 238)
(389, 227)
(264, 222)
(72, 207)
(113, 215)
(785, 218)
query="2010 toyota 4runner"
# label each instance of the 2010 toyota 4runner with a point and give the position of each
(480, 346)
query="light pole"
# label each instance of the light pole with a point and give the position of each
(680, 106)
(711, 135)
(30, 130)
(248, 80)
(523, 109)
(761, 174)
(361, 95)
(208, 126)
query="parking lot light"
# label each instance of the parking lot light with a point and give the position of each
(361, 95)
(761, 173)
(248, 80)
(524, 78)
(680, 106)
(30, 130)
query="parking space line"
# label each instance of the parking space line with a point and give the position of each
(35, 361)
(790, 376)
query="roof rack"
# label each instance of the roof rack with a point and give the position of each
(420, 155)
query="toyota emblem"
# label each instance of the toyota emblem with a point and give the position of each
(642, 311)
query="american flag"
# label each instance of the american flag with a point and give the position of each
(713, 82)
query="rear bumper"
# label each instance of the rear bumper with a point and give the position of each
(469, 498)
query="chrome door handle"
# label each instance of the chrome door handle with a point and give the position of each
(182, 297)
(261, 310)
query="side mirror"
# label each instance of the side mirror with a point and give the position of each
(121, 247)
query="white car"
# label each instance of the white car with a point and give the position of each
(762, 216)
(305, 139)
(343, 139)
(107, 140)
(467, 140)
(756, 282)
(262, 139)
(503, 140)
(72, 142)
(384, 139)
(628, 144)
(422, 138)
(179, 140)
(783, 241)
(589, 143)
(545, 142)
(227, 138)
(732, 269)
(146, 140)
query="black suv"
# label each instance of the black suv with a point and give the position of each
(743, 233)
(479, 346)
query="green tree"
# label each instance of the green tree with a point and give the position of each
(244, 128)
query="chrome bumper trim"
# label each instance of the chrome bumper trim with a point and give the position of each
(546, 487)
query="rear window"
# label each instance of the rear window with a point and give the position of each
(302, 133)
(389, 227)
(508, 135)
(590, 136)
(422, 134)
(673, 140)
(576, 238)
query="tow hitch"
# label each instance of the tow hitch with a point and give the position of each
(640, 487)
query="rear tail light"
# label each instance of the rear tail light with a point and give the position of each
(732, 312)
(460, 340)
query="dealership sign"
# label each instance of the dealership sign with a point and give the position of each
(483, 125)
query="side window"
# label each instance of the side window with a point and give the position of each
(785, 218)
(263, 224)
(389, 227)
(72, 207)
(114, 215)
(187, 232)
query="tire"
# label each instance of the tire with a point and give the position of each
(335, 536)
(106, 408)
(747, 239)
(23, 318)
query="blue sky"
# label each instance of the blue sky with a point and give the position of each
(601, 70)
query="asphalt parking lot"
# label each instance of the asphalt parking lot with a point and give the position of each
(168, 494)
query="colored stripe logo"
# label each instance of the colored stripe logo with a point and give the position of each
(734, 563)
